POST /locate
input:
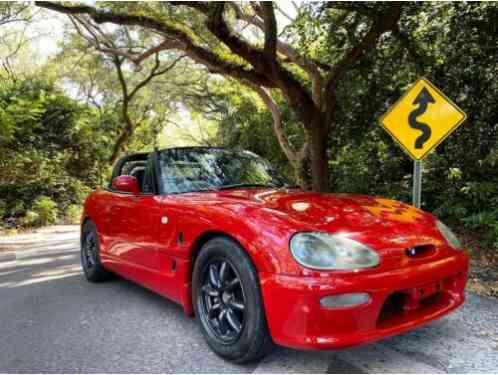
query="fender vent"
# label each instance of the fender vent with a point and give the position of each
(420, 251)
(181, 238)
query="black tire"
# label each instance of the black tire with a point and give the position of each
(252, 340)
(90, 254)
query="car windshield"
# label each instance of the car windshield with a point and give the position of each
(203, 169)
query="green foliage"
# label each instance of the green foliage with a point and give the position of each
(46, 210)
(54, 146)
(50, 146)
(3, 207)
(30, 219)
(456, 48)
(73, 214)
(487, 220)
(245, 123)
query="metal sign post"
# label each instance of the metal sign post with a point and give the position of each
(417, 183)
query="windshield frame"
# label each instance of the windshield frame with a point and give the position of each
(164, 191)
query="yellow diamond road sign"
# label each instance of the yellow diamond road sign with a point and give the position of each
(422, 119)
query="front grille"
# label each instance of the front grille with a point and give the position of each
(418, 302)
(392, 306)
(399, 307)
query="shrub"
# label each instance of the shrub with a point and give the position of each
(46, 208)
(3, 209)
(30, 219)
(488, 220)
(73, 214)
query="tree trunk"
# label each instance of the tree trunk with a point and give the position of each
(118, 146)
(125, 135)
(318, 135)
(301, 174)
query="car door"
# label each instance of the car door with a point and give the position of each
(136, 228)
(171, 246)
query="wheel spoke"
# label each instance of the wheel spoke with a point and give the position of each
(237, 305)
(232, 284)
(214, 277)
(212, 310)
(88, 242)
(210, 291)
(222, 315)
(90, 259)
(233, 321)
(223, 272)
(223, 325)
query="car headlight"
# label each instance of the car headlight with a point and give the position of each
(448, 235)
(324, 251)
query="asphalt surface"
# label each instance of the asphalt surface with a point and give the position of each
(52, 320)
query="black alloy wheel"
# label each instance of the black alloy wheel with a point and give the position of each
(228, 303)
(89, 250)
(90, 254)
(223, 300)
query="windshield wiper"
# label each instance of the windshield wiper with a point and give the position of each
(234, 186)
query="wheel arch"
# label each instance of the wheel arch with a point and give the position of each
(204, 238)
(259, 261)
(262, 260)
(84, 220)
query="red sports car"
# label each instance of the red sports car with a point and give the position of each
(260, 262)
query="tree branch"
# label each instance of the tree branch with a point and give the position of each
(270, 28)
(277, 121)
(310, 66)
(353, 6)
(282, 12)
(272, 70)
(124, 87)
(216, 24)
(382, 23)
(411, 47)
(185, 43)
(128, 124)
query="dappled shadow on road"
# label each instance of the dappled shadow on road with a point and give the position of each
(123, 321)
(131, 320)
(40, 267)
(43, 267)
(385, 356)
(119, 311)
(40, 242)
(170, 311)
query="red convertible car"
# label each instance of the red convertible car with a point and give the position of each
(258, 261)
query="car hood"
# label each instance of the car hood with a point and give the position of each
(384, 223)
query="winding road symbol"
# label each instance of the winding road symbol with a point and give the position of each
(423, 99)
(421, 119)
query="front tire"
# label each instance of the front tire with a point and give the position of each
(90, 254)
(228, 303)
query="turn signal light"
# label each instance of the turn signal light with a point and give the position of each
(345, 300)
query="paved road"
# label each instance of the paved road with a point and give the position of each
(52, 320)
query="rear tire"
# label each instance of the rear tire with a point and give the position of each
(228, 304)
(90, 254)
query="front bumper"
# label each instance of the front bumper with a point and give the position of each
(297, 320)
